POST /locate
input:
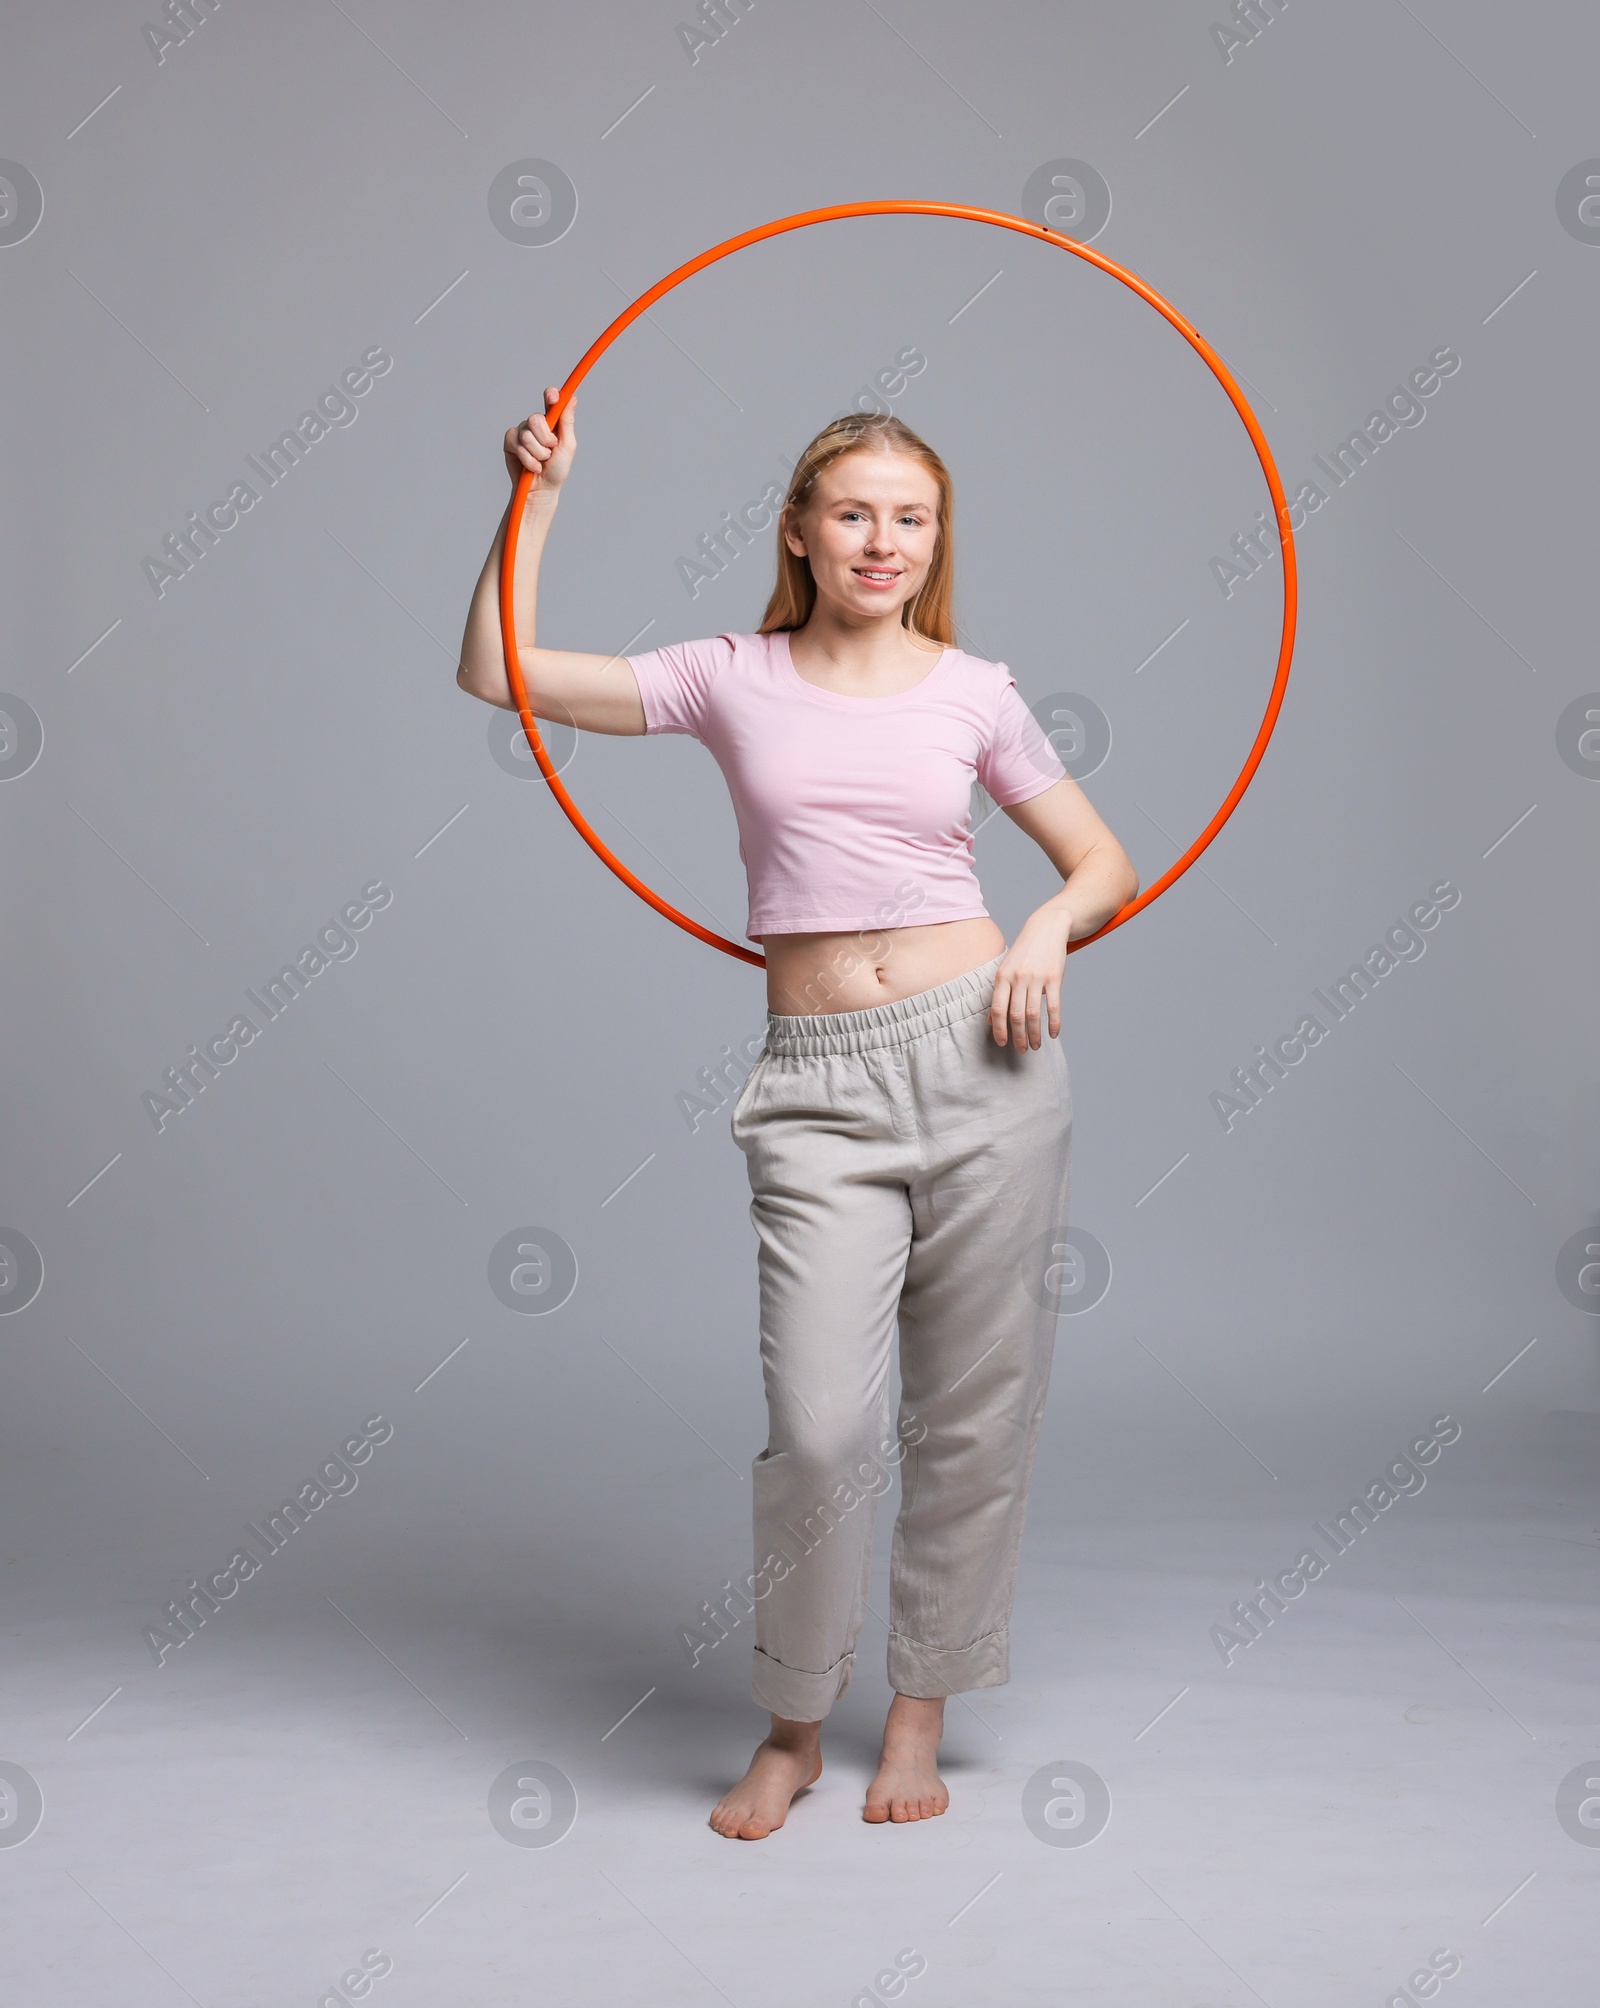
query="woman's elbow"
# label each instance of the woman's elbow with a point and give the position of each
(475, 686)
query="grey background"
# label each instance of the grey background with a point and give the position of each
(225, 766)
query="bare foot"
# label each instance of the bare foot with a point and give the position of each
(908, 1785)
(786, 1761)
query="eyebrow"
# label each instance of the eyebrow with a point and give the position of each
(860, 502)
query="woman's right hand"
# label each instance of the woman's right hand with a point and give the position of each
(547, 454)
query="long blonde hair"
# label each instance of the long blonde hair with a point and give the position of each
(795, 593)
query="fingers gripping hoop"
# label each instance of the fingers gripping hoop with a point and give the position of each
(992, 216)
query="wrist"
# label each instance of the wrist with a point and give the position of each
(541, 501)
(1058, 918)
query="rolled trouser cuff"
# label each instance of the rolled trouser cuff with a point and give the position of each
(792, 1692)
(928, 1671)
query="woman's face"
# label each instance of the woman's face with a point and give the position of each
(870, 530)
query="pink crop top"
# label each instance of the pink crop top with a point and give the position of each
(853, 812)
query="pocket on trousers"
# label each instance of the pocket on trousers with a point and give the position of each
(1063, 1074)
(745, 1097)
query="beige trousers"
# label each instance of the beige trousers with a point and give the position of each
(905, 1169)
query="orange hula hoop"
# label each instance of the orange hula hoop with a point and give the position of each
(962, 213)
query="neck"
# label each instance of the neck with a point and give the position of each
(843, 641)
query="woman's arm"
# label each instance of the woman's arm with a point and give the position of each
(1099, 880)
(598, 693)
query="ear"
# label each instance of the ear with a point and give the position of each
(794, 541)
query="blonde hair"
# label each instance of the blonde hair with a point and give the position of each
(795, 593)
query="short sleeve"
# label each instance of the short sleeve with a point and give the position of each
(1019, 761)
(675, 682)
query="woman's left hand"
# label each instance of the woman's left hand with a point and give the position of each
(1027, 985)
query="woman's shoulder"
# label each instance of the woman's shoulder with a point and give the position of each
(715, 648)
(741, 652)
(976, 665)
(682, 683)
(698, 656)
(978, 675)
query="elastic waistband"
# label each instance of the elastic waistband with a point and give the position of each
(899, 1024)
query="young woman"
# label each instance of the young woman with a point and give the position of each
(908, 1126)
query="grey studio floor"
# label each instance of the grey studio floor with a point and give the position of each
(1360, 1802)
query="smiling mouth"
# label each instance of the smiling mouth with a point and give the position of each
(874, 575)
